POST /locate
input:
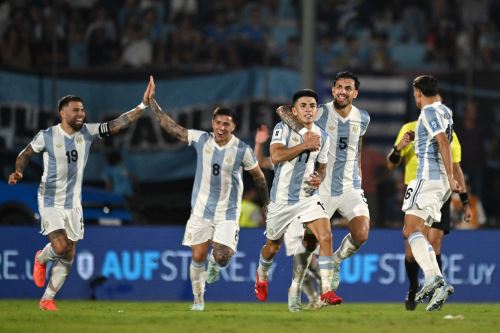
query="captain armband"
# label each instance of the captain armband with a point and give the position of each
(464, 197)
(395, 156)
(104, 130)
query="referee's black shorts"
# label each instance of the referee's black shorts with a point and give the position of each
(445, 224)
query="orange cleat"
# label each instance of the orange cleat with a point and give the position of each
(48, 305)
(261, 289)
(331, 298)
(39, 272)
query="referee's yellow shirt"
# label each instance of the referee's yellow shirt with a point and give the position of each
(408, 152)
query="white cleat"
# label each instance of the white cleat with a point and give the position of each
(197, 307)
(429, 287)
(440, 296)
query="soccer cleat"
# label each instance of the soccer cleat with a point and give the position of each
(39, 271)
(429, 287)
(213, 272)
(410, 303)
(440, 296)
(47, 305)
(331, 298)
(336, 276)
(197, 307)
(294, 302)
(261, 288)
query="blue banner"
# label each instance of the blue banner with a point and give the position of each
(148, 263)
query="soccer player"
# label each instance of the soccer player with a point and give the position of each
(294, 235)
(341, 189)
(217, 193)
(404, 150)
(426, 194)
(300, 165)
(65, 148)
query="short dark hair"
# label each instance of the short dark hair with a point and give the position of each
(68, 98)
(347, 75)
(304, 92)
(427, 84)
(221, 111)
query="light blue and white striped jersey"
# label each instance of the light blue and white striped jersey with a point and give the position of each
(289, 183)
(342, 171)
(434, 119)
(64, 159)
(218, 184)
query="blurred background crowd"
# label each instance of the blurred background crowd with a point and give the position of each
(379, 36)
(457, 40)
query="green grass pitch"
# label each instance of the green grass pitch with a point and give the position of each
(122, 317)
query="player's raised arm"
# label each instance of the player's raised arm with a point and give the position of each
(261, 137)
(260, 184)
(127, 118)
(22, 161)
(166, 121)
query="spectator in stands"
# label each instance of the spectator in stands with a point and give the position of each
(186, 44)
(137, 48)
(472, 136)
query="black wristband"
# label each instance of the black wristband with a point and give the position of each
(464, 197)
(395, 156)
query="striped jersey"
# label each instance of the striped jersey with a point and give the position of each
(64, 159)
(290, 177)
(342, 171)
(408, 152)
(218, 183)
(434, 118)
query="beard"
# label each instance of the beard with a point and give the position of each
(338, 106)
(75, 126)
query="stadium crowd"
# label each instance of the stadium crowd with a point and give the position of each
(192, 35)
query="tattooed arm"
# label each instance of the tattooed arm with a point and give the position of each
(124, 120)
(21, 162)
(169, 124)
(260, 184)
(166, 121)
(286, 115)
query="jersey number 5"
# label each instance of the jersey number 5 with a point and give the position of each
(343, 142)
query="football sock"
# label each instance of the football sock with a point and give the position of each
(420, 249)
(412, 273)
(47, 254)
(264, 266)
(432, 256)
(300, 263)
(58, 274)
(198, 276)
(326, 272)
(347, 248)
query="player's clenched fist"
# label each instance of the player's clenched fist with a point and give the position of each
(15, 177)
(312, 141)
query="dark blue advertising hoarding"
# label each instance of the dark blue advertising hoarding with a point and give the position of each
(149, 263)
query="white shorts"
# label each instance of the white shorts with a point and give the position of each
(280, 216)
(200, 230)
(54, 218)
(350, 204)
(424, 198)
